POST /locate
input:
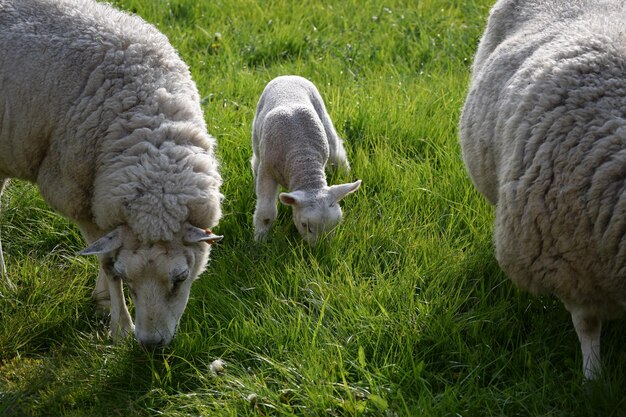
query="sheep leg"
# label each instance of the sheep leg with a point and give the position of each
(254, 162)
(265, 212)
(588, 329)
(3, 269)
(101, 294)
(121, 322)
(108, 293)
(337, 159)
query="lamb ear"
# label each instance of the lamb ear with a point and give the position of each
(338, 192)
(294, 198)
(195, 234)
(105, 244)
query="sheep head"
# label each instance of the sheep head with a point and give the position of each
(316, 214)
(158, 275)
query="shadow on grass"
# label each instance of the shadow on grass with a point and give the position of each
(123, 380)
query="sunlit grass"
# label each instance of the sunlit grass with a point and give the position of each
(405, 312)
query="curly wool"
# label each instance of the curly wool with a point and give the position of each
(156, 186)
(543, 133)
(99, 110)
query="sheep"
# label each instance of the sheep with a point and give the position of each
(543, 136)
(98, 110)
(293, 140)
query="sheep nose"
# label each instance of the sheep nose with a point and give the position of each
(151, 343)
(151, 340)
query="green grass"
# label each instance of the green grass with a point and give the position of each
(404, 313)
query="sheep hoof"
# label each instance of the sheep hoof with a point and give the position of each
(260, 237)
(262, 229)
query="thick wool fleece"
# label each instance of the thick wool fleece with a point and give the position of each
(97, 108)
(543, 133)
(293, 135)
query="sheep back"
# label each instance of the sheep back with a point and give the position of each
(293, 134)
(543, 133)
(98, 109)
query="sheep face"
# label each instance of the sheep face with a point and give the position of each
(317, 214)
(158, 276)
(314, 218)
(159, 279)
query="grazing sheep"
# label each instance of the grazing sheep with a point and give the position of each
(293, 139)
(543, 133)
(99, 111)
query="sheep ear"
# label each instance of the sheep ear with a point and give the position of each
(338, 192)
(195, 234)
(294, 198)
(105, 244)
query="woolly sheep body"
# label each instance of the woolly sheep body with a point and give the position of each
(99, 111)
(543, 133)
(293, 141)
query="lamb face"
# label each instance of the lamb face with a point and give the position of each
(317, 214)
(314, 218)
(158, 276)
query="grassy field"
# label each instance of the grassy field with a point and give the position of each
(404, 313)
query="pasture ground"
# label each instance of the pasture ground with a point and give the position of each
(404, 313)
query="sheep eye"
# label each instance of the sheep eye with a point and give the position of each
(180, 276)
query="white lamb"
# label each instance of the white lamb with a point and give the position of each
(99, 111)
(543, 133)
(293, 140)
